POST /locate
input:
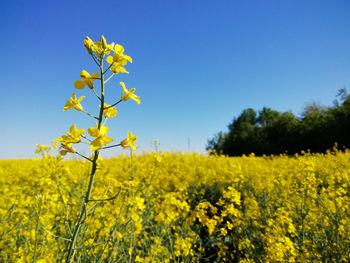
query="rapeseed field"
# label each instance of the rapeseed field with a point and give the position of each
(178, 207)
(167, 207)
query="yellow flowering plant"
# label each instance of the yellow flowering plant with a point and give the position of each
(99, 141)
(189, 207)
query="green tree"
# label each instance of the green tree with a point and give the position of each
(241, 130)
(273, 132)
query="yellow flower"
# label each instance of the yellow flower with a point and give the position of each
(223, 231)
(106, 47)
(73, 136)
(102, 48)
(101, 138)
(119, 59)
(158, 158)
(126, 94)
(110, 111)
(41, 148)
(86, 79)
(67, 148)
(118, 235)
(74, 103)
(54, 144)
(129, 141)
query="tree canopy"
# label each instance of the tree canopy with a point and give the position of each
(273, 132)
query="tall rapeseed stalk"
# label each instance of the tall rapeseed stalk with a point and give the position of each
(115, 60)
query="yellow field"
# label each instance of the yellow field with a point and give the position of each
(179, 208)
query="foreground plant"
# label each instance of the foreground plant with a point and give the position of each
(101, 53)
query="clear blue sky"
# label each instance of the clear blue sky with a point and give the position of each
(197, 65)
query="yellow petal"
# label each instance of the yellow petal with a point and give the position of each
(114, 112)
(106, 140)
(68, 105)
(95, 76)
(133, 147)
(76, 132)
(132, 137)
(78, 107)
(123, 70)
(79, 84)
(95, 145)
(82, 97)
(128, 58)
(72, 129)
(89, 83)
(79, 132)
(94, 132)
(115, 69)
(136, 98)
(118, 49)
(84, 74)
(103, 130)
(110, 112)
(109, 59)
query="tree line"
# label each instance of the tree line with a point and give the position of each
(272, 132)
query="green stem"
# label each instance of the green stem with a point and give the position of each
(96, 94)
(92, 55)
(86, 138)
(83, 156)
(36, 232)
(109, 78)
(83, 213)
(106, 199)
(108, 68)
(110, 146)
(113, 104)
(90, 115)
(102, 95)
(63, 238)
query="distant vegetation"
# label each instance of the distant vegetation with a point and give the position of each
(273, 132)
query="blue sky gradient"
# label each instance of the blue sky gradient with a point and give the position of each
(197, 65)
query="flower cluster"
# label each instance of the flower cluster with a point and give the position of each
(115, 61)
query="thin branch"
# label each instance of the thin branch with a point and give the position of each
(106, 199)
(92, 55)
(113, 104)
(111, 146)
(86, 138)
(109, 78)
(108, 68)
(104, 122)
(63, 238)
(83, 156)
(104, 194)
(91, 246)
(96, 94)
(90, 115)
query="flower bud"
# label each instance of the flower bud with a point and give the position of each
(103, 42)
(89, 45)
